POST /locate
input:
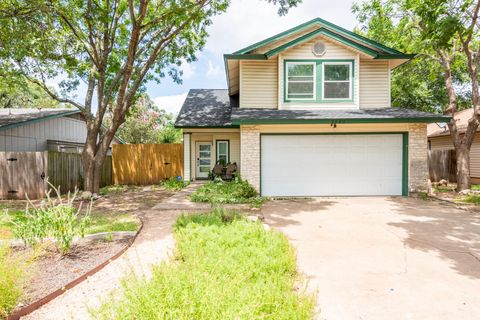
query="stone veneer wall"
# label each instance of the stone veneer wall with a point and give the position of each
(417, 152)
(418, 157)
(250, 155)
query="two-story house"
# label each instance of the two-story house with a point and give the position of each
(307, 113)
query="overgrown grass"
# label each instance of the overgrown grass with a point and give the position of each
(12, 278)
(441, 189)
(225, 268)
(174, 184)
(475, 187)
(235, 191)
(97, 222)
(112, 223)
(471, 198)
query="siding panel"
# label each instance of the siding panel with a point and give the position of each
(258, 84)
(375, 84)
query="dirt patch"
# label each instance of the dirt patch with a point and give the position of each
(51, 271)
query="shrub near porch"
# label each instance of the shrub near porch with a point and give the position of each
(235, 191)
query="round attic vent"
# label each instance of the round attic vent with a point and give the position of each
(319, 48)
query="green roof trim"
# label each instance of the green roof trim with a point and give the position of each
(339, 121)
(245, 56)
(321, 31)
(333, 27)
(396, 56)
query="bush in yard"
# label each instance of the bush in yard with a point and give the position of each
(219, 191)
(56, 219)
(174, 184)
(225, 267)
(12, 278)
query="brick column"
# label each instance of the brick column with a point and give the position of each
(418, 157)
(250, 155)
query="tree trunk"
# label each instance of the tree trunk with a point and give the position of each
(463, 168)
(93, 157)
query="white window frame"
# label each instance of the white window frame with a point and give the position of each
(217, 153)
(314, 64)
(350, 80)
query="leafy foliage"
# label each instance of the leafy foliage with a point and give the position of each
(147, 123)
(56, 219)
(219, 191)
(419, 84)
(16, 92)
(174, 184)
(225, 268)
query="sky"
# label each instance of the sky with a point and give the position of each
(244, 23)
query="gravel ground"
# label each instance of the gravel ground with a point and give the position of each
(153, 244)
(53, 271)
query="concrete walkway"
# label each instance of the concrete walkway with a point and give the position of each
(385, 258)
(153, 244)
(180, 201)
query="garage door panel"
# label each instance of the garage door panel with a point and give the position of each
(330, 165)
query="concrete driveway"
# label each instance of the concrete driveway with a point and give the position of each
(385, 258)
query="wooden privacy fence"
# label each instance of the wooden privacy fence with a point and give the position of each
(143, 164)
(24, 173)
(65, 171)
(442, 164)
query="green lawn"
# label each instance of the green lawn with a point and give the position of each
(98, 222)
(225, 267)
(235, 191)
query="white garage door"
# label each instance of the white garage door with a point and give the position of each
(331, 165)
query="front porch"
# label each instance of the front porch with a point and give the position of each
(203, 148)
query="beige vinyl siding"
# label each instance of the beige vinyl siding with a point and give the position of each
(186, 157)
(258, 83)
(374, 84)
(445, 143)
(234, 139)
(334, 51)
(282, 41)
(441, 143)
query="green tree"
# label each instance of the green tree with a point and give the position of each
(444, 76)
(147, 123)
(16, 92)
(113, 46)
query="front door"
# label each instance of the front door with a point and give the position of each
(204, 159)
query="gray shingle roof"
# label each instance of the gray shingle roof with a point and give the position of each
(206, 108)
(10, 117)
(215, 108)
(271, 115)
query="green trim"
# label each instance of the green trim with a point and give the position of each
(319, 81)
(232, 126)
(321, 31)
(312, 22)
(396, 56)
(405, 160)
(405, 165)
(245, 56)
(47, 117)
(339, 121)
(216, 149)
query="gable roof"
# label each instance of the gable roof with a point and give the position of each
(313, 22)
(214, 108)
(10, 118)
(441, 129)
(285, 40)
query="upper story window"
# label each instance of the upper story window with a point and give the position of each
(337, 81)
(320, 81)
(300, 80)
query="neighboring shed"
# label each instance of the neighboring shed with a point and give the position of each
(439, 139)
(40, 143)
(30, 130)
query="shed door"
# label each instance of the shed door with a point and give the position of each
(331, 165)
